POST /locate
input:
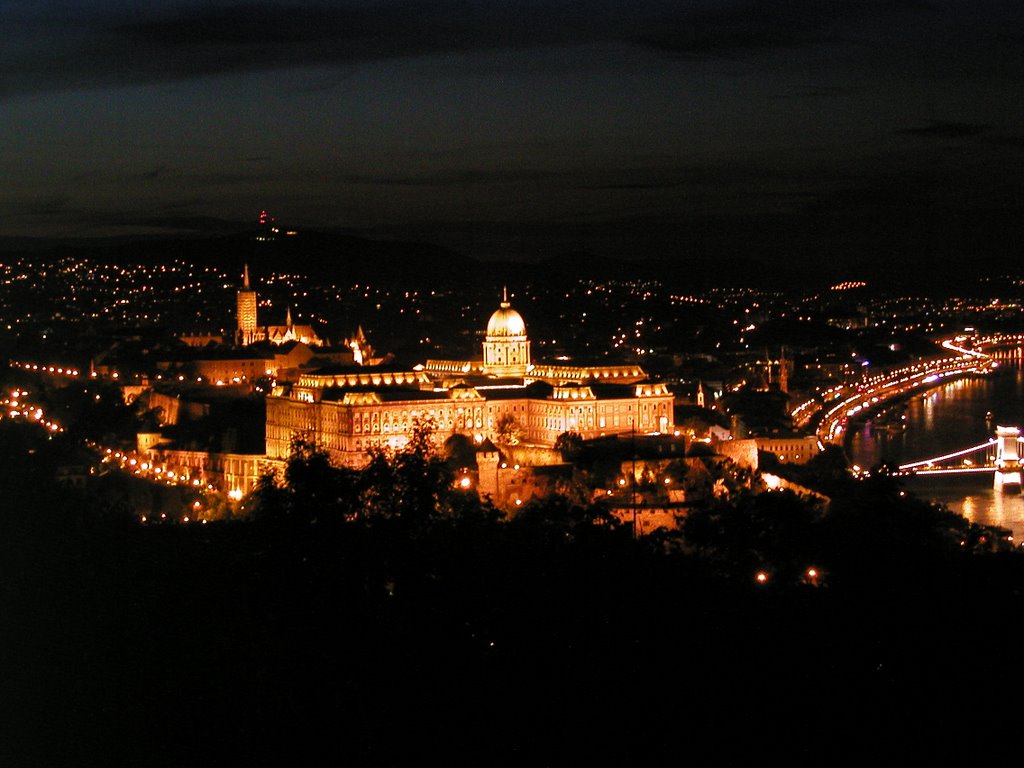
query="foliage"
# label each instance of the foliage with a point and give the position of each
(752, 532)
(269, 499)
(311, 490)
(405, 490)
(875, 526)
(557, 518)
(570, 444)
(827, 472)
(678, 471)
(508, 430)
(460, 452)
(870, 532)
(704, 478)
(149, 419)
(94, 410)
(578, 488)
(873, 533)
(698, 449)
(698, 421)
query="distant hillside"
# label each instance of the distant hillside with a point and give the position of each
(792, 260)
(324, 256)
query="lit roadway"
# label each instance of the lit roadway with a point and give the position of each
(58, 371)
(846, 402)
(16, 406)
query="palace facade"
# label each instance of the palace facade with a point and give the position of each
(503, 396)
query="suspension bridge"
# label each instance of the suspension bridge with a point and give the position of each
(1000, 456)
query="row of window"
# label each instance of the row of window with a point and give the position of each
(547, 417)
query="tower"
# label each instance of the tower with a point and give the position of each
(361, 350)
(1008, 462)
(506, 348)
(245, 313)
(783, 372)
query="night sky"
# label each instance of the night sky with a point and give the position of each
(523, 129)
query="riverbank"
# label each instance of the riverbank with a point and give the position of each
(864, 417)
(943, 420)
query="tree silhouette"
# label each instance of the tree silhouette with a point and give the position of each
(775, 531)
(570, 444)
(508, 430)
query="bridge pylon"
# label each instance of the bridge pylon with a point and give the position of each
(1008, 464)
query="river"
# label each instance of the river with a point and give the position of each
(945, 419)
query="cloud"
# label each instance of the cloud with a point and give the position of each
(48, 48)
(822, 92)
(1007, 141)
(42, 206)
(941, 129)
(453, 177)
(45, 50)
(744, 28)
(207, 224)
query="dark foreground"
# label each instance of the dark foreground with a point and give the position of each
(320, 645)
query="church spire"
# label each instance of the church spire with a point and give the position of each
(783, 371)
(245, 315)
(288, 317)
(504, 297)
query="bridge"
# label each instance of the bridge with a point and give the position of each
(1000, 455)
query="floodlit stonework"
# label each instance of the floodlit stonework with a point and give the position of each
(503, 397)
(249, 331)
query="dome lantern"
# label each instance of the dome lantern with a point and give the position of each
(506, 322)
(506, 348)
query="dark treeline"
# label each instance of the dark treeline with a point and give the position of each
(385, 617)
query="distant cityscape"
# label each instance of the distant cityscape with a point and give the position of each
(224, 368)
(552, 384)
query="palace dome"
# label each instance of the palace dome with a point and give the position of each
(506, 322)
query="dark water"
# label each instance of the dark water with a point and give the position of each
(946, 419)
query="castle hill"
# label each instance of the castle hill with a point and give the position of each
(511, 477)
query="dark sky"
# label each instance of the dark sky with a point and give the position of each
(522, 128)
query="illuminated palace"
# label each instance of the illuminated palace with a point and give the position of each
(503, 396)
